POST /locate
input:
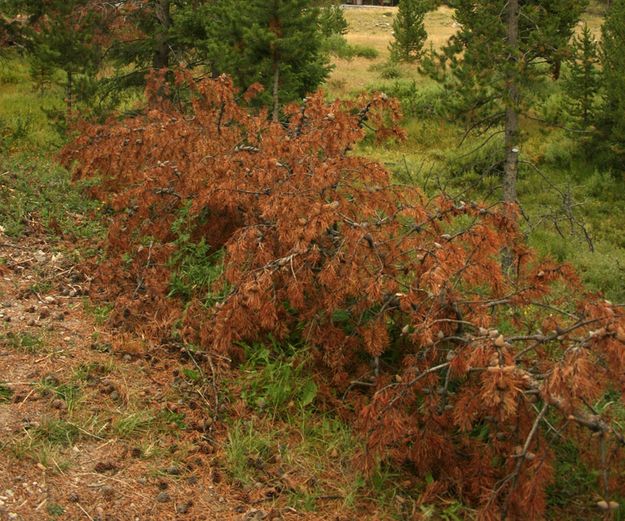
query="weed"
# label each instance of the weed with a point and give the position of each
(198, 266)
(247, 450)
(69, 393)
(100, 312)
(92, 370)
(134, 424)
(5, 393)
(57, 432)
(22, 341)
(273, 383)
(55, 510)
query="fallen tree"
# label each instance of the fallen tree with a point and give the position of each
(450, 365)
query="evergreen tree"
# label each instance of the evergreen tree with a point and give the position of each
(492, 63)
(582, 81)
(332, 20)
(273, 42)
(67, 35)
(148, 36)
(613, 59)
(409, 34)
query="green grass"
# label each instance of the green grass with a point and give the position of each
(100, 312)
(23, 122)
(134, 424)
(35, 190)
(22, 341)
(6, 393)
(70, 393)
(273, 383)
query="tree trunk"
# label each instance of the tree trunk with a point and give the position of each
(512, 106)
(276, 90)
(69, 91)
(161, 57)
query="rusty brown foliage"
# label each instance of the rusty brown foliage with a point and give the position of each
(449, 365)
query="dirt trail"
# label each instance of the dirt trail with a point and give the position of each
(89, 431)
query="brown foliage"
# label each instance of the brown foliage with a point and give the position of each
(398, 296)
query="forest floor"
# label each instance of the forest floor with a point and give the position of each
(87, 432)
(103, 426)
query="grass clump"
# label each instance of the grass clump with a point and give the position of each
(6, 393)
(22, 341)
(336, 45)
(273, 384)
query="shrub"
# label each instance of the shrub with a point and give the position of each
(337, 45)
(448, 364)
(423, 101)
(387, 70)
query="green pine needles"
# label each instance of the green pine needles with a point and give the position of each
(409, 34)
(613, 57)
(583, 81)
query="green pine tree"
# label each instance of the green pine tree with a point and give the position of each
(276, 43)
(582, 81)
(154, 34)
(332, 21)
(491, 66)
(613, 60)
(66, 35)
(409, 34)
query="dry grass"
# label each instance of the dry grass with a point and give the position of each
(373, 27)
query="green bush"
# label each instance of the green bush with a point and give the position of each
(422, 101)
(388, 70)
(336, 45)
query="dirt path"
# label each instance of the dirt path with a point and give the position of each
(89, 431)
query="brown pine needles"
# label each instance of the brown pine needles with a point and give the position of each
(451, 367)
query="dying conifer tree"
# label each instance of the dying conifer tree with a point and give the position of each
(449, 367)
(409, 34)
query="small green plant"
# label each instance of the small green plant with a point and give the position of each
(5, 393)
(247, 451)
(57, 432)
(134, 424)
(337, 45)
(388, 70)
(273, 382)
(69, 393)
(100, 312)
(197, 264)
(55, 510)
(22, 341)
(91, 370)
